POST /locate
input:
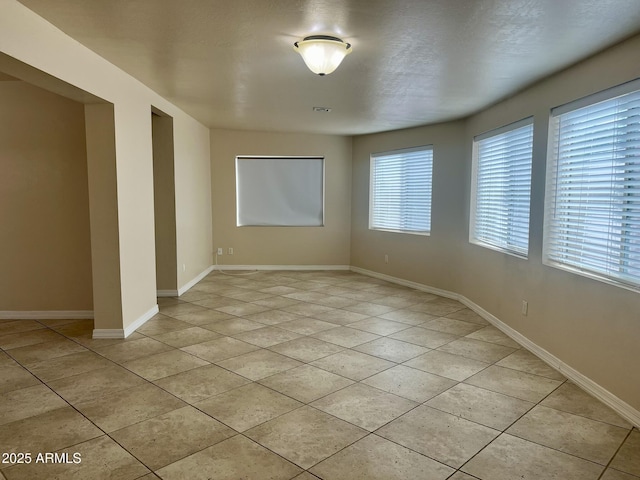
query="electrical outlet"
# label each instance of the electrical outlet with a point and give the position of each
(525, 307)
(184, 267)
(386, 258)
(219, 251)
(230, 251)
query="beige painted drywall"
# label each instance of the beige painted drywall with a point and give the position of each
(58, 60)
(425, 259)
(164, 202)
(193, 199)
(103, 208)
(591, 326)
(44, 202)
(328, 245)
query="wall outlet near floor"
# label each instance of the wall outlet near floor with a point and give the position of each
(219, 251)
(230, 250)
(386, 258)
(184, 267)
(525, 307)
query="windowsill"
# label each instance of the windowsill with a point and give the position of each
(407, 232)
(480, 243)
(591, 275)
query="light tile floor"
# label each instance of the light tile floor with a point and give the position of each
(305, 375)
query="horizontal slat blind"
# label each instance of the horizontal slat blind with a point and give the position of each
(503, 189)
(593, 197)
(401, 190)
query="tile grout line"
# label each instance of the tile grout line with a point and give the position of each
(504, 432)
(357, 382)
(104, 433)
(615, 453)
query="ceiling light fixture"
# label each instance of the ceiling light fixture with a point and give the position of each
(322, 53)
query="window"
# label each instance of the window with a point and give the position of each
(280, 191)
(593, 187)
(400, 193)
(501, 188)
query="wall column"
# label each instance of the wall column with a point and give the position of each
(103, 212)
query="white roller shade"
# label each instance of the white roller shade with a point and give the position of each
(283, 191)
(593, 190)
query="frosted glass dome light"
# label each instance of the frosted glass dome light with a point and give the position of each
(322, 53)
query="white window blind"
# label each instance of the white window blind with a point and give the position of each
(280, 191)
(400, 193)
(501, 188)
(593, 190)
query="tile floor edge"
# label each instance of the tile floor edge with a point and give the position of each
(184, 288)
(284, 267)
(622, 408)
(128, 330)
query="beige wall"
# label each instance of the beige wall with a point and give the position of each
(193, 198)
(103, 212)
(328, 245)
(59, 60)
(591, 326)
(164, 203)
(44, 204)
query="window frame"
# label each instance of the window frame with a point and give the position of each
(551, 184)
(473, 210)
(372, 169)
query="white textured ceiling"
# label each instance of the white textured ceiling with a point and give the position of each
(231, 64)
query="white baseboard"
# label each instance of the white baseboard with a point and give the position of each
(99, 333)
(167, 293)
(282, 267)
(186, 286)
(125, 332)
(183, 289)
(46, 314)
(132, 327)
(623, 409)
(407, 283)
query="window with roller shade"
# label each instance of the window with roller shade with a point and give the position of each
(280, 191)
(501, 188)
(592, 211)
(400, 191)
